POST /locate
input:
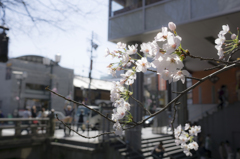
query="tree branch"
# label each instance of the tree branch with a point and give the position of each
(84, 106)
(81, 134)
(140, 103)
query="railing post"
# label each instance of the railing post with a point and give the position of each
(47, 126)
(34, 129)
(0, 132)
(18, 128)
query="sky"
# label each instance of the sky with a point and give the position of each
(73, 43)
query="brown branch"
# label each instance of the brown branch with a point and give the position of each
(174, 115)
(152, 70)
(205, 59)
(215, 67)
(84, 106)
(140, 103)
(81, 134)
(194, 78)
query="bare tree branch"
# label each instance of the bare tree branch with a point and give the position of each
(106, 117)
(174, 115)
(140, 103)
(81, 134)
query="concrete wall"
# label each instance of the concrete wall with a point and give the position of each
(38, 73)
(59, 151)
(223, 125)
(227, 78)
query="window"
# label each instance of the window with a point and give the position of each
(39, 87)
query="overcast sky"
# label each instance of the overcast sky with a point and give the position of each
(72, 44)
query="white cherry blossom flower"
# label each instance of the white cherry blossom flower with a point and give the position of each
(121, 45)
(172, 26)
(220, 40)
(146, 48)
(166, 75)
(180, 75)
(225, 29)
(112, 72)
(118, 128)
(184, 138)
(193, 145)
(107, 52)
(114, 97)
(142, 65)
(121, 111)
(119, 102)
(178, 142)
(132, 49)
(187, 153)
(172, 63)
(162, 36)
(187, 126)
(172, 44)
(233, 36)
(220, 53)
(126, 105)
(128, 77)
(125, 59)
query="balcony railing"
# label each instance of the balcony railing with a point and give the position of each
(15, 126)
(150, 15)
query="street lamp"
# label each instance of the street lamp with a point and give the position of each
(48, 63)
(20, 76)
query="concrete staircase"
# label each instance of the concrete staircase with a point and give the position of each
(171, 150)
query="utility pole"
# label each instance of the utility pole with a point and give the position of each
(93, 46)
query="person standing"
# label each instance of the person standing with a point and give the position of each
(229, 150)
(68, 119)
(158, 151)
(238, 154)
(208, 145)
(26, 114)
(80, 121)
(222, 151)
(1, 116)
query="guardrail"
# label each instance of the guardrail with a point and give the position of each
(32, 125)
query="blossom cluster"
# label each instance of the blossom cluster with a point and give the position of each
(224, 46)
(185, 138)
(166, 54)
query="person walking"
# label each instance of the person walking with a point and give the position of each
(68, 119)
(26, 114)
(81, 121)
(229, 150)
(222, 151)
(208, 146)
(158, 151)
(1, 116)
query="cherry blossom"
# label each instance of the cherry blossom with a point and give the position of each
(121, 45)
(162, 36)
(193, 145)
(220, 40)
(118, 128)
(233, 36)
(225, 30)
(172, 62)
(128, 77)
(172, 26)
(142, 65)
(172, 44)
(187, 126)
(146, 48)
(180, 75)
(132, 49)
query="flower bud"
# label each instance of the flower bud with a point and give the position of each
(171, 26)
(233, 36)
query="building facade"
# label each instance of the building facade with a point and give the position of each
(23, 82)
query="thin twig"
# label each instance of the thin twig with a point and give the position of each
(81, 134)
(206, 59)
(174, 115)
(194, 78)
(215, 67)
(84, 106)
(151, 70)
(231, 54)
(140, 103)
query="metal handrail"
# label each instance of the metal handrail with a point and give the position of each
(23, 119)
(123, 142)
